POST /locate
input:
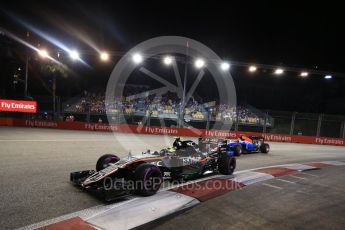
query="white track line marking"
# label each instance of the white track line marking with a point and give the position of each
(287, 181)
(272, 186)
(309, 174)
(106, 210)
(84, 214)
(272, 166)
(144, 210)
(333, 163)
(297, 177)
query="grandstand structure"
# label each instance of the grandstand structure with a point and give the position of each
(150, 106)
(162, 109)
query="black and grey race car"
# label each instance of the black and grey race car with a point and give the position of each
(144, 174)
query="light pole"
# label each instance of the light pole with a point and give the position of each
(54, 97)
(43, 54)
(182, 111)
(26, 75)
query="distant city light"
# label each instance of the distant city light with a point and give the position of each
(43, 53)
(252, 68)
(199, 63)
(104, 56)
(74, 54)
(328, 77)
(167, 60)
(137, 58)
(304, 74)
(279, 71)
(225, 66)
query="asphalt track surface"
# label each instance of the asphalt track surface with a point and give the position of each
(35, 166)
(310, 200)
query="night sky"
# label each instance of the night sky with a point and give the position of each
(309, 35)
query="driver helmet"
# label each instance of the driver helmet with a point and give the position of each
(177, 142)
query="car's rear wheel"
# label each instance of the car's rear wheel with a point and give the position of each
(105, 160)
(148, 179)
(264, 148)
(226, 164)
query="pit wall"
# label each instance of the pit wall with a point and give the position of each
(190, 132)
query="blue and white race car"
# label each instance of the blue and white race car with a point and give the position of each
(237, 146)
(249, 145)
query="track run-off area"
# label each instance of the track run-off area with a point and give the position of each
(36, 163)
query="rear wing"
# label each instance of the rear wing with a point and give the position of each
(207, 140)
(210, 144)
(259, 138)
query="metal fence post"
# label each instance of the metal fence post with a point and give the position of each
(265, 122)
(343, 131)
(292, 127)
(319, 123)
(149, 119)
(88, 115)
(26, 75)
(236, 124)
(54, 97)
(208, 120)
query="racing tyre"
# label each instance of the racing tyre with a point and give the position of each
(226, 164)
(148, 179)
(105, 160)
(265, 148)
(237, 151)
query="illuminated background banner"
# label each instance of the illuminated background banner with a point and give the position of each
(18, 106)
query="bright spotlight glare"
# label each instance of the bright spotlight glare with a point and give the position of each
(167, 60)
(74, 54)
(328, 77)
(199, 63)
(279, 71)
(43, 53)
(225, 66)
(304, 74)
(137, 58)
(252, 68)
(104, 56)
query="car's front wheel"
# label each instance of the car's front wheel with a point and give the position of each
(148, 179)
(226, 164)
(237, 150)
(105, 160)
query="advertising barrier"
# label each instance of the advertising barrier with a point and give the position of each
(190, 132)
(18, 106)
